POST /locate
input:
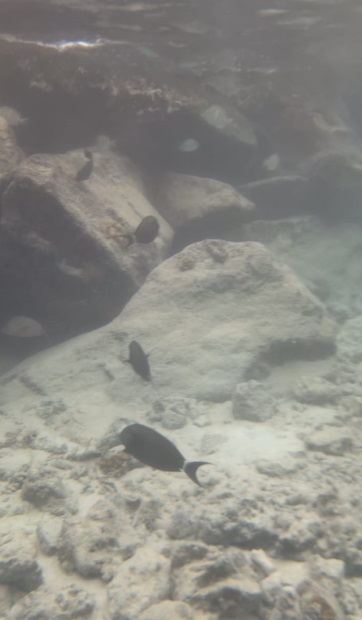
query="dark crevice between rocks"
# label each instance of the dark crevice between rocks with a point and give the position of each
(57, 121)
(68, 103)
(158, 145)
(213, 226)
(36, 285)
(236, 537)
(288, 123)
(282, 352)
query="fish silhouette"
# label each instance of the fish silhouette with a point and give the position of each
(138, 360)
(146, 231)
(155, 450)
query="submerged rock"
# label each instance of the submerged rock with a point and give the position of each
(140, 582)
(48, 533)
(200, 208)
(277, 197)
(228, 306)
(91, 548)
(10, 154)
(166, 610)
(46, 491)
(316, 391)
(330, 441)
(66, 244)
(251, 401)
(221, 583)
(19, 567)
(67, 603)
(209, 315)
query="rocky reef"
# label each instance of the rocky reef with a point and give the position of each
(236, 131)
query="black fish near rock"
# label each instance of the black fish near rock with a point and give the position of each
(138, 360)
(146, 231)
(155, 450)
(85, 171)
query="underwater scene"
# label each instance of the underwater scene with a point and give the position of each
(181, 310)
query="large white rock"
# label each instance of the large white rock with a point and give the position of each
(213, 313)
(210, 317)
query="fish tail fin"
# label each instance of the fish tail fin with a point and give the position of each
(190, 468)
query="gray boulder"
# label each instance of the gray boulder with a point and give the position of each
(222, 583)
(91, 548)
(166, 610)
(316, 391)
(200, 208)
(209, 316)
(140, 582)
(215, 312)
(67, 241)
(251, 401)
(48, 532)
(331, 441)
(67, 603)
(10, 154)
(45, 490)
(18, 565)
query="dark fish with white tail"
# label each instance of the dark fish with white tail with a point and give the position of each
(139, 360)
(146, 231)
(153, 449)
(85, 171)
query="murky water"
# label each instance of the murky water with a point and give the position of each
(180, 285)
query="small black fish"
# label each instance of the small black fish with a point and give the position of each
(138, 360)
(155, 450)
(146, 231)
(85, 171)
